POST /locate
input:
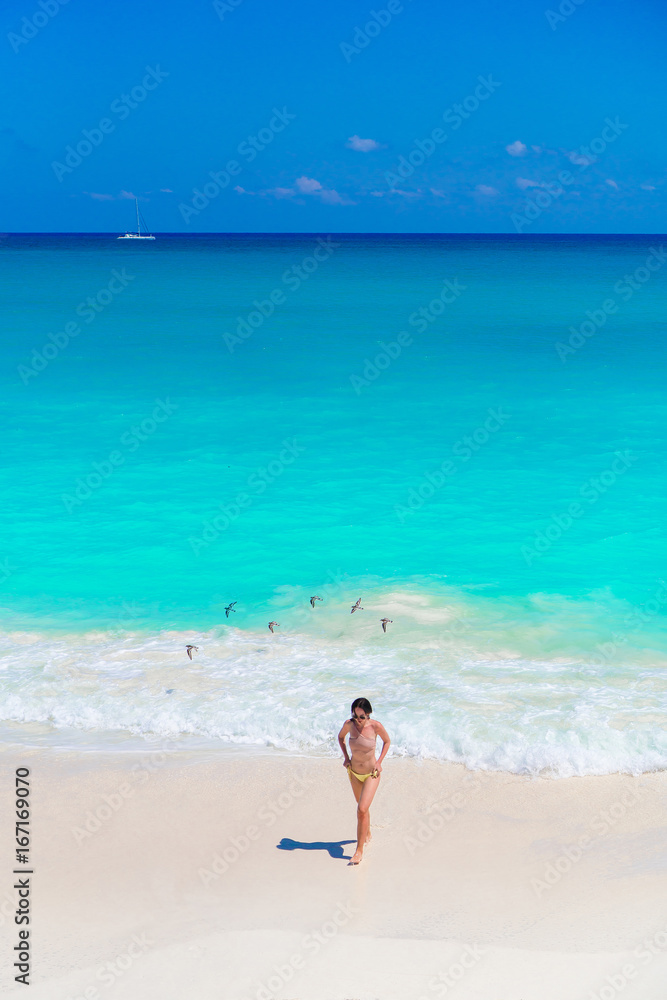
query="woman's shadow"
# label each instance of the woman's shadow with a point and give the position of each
(335, 848)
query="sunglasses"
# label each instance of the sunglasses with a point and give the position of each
(362, 716)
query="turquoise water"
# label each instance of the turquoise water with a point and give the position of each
(499, 497)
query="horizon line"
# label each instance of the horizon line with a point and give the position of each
(319, 232)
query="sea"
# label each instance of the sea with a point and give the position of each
(467, 433)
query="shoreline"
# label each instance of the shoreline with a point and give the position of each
(123, 743)
(493, 702)
(234, 868)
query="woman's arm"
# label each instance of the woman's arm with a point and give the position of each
(386, 743)
(341, 742)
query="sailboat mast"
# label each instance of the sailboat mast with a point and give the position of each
(136, 201)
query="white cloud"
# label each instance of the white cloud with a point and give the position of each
(438, 193)
(398, 191)
(612, 183)
(485, 189)
(362, 145)
(536, 149)
(123, 196)
(308, 185)
(280, 192)
(517, 148)
(578, 158)
(526, 182)
(647, 187)
(166, 190)
(331, 197)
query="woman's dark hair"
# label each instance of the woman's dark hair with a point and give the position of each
(362, 703)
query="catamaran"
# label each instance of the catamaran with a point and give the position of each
(138, 235)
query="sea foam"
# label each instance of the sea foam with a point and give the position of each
(454, 681)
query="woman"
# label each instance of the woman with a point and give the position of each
(363, 768)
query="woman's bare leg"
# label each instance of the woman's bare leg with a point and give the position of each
(356, 785)
(356, 788)
(368, 790)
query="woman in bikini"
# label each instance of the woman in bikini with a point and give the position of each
(363, 768)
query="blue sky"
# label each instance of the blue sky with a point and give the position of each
(335, 112)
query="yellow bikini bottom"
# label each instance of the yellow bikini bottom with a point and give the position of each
(362, 777)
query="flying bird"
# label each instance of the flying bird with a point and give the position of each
(313, 599)
(230, 607)
(271, 624)
(189, 649)
(385, 622)
(356, 607)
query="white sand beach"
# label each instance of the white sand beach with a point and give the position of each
(222, 877)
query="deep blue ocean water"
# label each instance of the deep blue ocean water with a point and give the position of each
(416, 421)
